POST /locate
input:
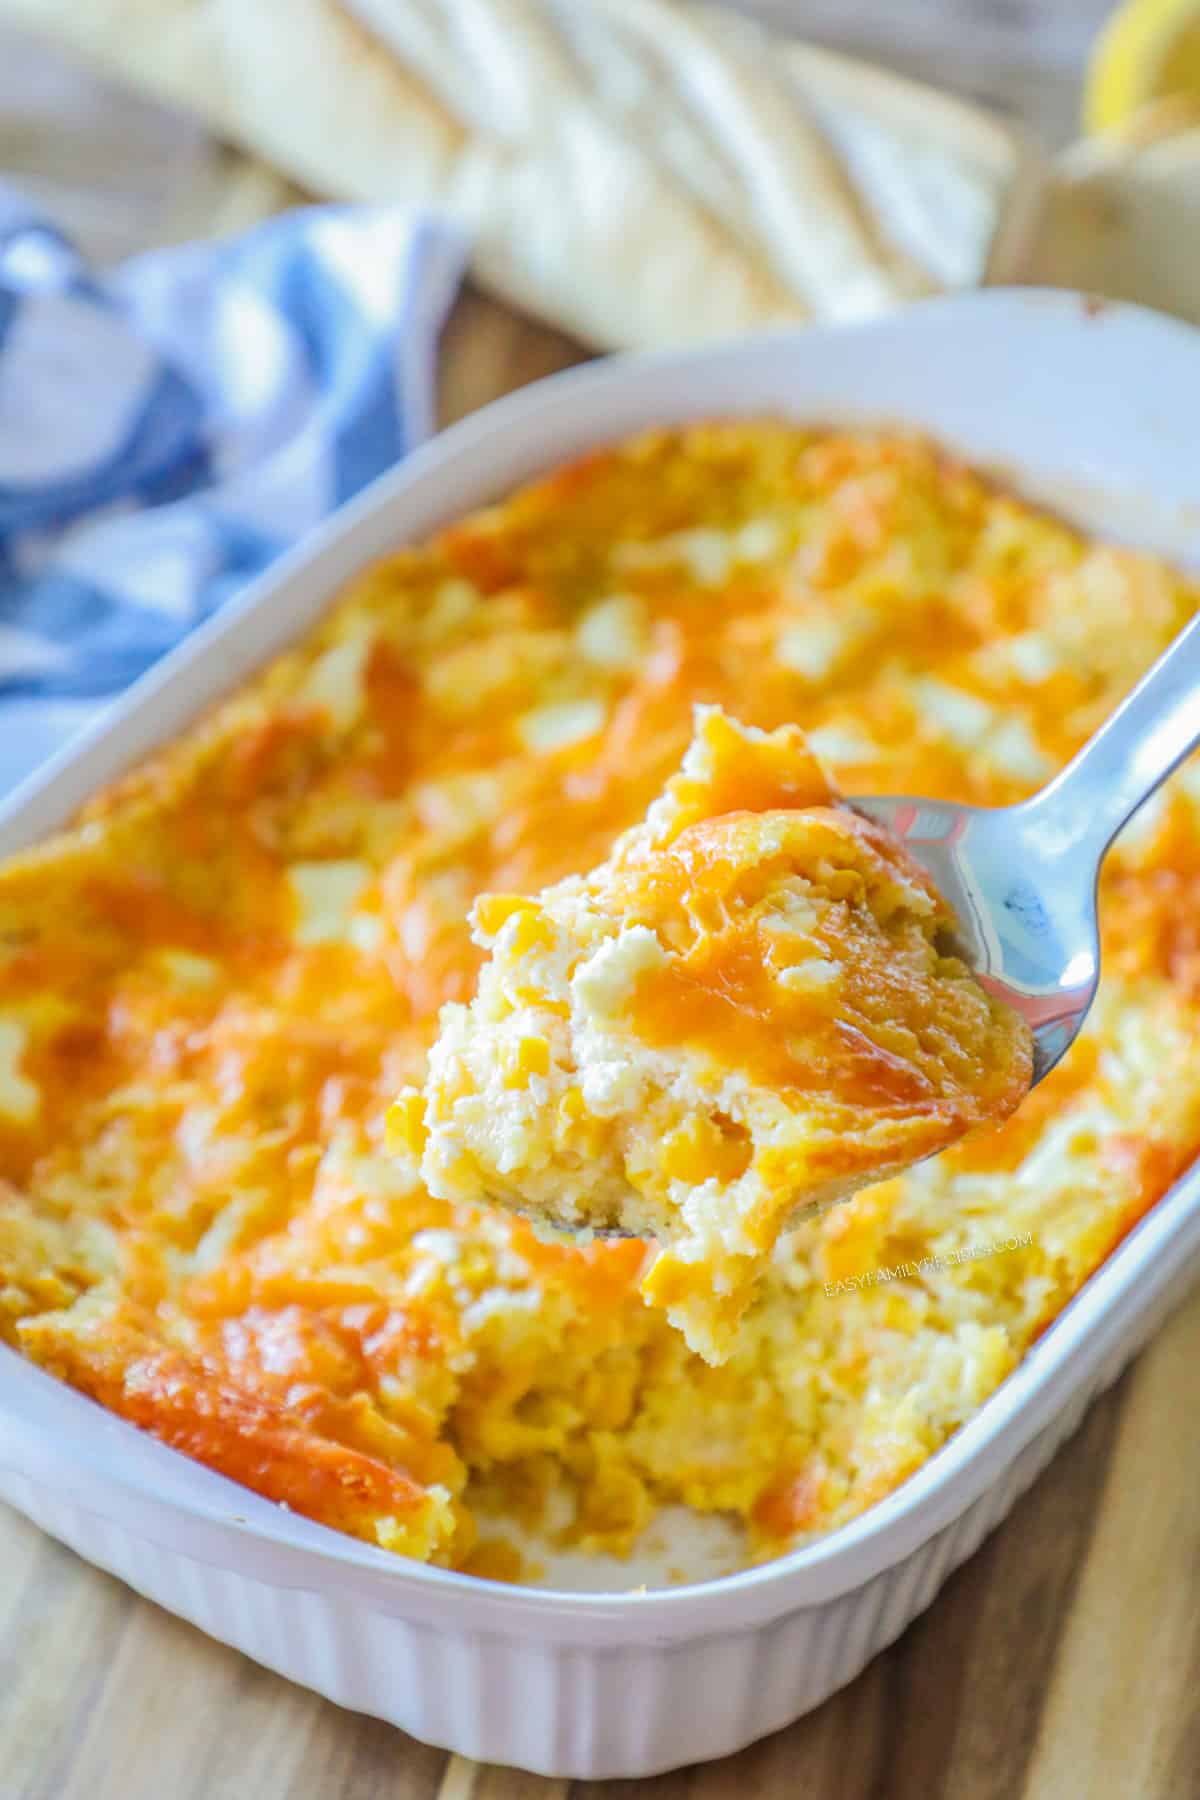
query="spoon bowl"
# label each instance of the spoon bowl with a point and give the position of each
(1022, 880)
(1030, 937)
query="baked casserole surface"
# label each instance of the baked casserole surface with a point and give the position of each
(212, 986)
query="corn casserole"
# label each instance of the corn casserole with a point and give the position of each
(751, 1009)
(212, 985)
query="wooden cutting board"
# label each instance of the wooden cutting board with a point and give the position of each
(1062, 1663)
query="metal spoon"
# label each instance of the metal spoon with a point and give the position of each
(1023, 879)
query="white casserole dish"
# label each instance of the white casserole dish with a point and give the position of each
(1090, 407)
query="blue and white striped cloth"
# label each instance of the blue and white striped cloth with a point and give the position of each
(167, 429)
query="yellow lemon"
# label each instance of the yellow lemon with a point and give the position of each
(1148, 51)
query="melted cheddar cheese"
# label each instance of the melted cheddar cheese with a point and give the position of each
(745, 1011)
(214, 983)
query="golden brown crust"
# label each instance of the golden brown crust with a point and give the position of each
(210, 991)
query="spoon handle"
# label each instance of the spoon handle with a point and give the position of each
(1082, 809)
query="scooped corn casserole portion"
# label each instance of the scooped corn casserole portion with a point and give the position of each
(213, 985)
(747, 1010)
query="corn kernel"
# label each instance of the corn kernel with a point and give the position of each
(531, 932)
(405, 1124)
(491, 911)
(700, 1149)
(529, 1056)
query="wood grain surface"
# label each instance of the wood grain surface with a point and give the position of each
(1062, 1663)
